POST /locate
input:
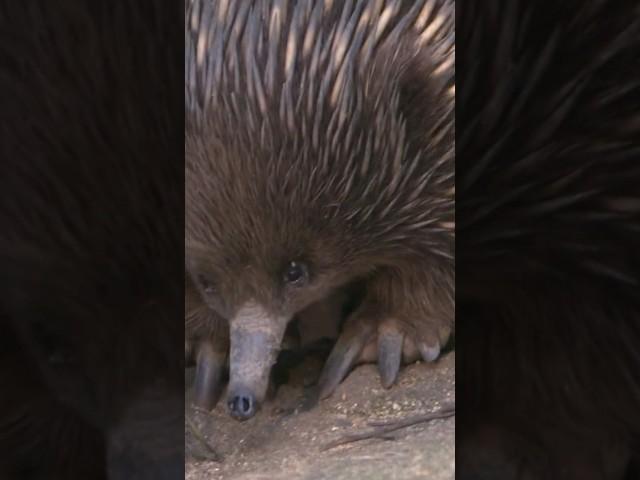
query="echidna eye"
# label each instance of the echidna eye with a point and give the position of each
(205, 284)
(296, 274)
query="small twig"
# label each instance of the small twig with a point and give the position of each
(444, 412)
(382, 429)
(195, 431)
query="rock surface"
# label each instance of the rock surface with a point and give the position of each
(286, 438)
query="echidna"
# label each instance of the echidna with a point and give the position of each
(548, 218)
(319, 150)
(91, 241)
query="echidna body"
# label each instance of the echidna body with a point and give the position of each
(548, 219)
(319, 151)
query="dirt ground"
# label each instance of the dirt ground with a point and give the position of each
(286, 438)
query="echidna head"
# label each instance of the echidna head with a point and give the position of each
(259, 281)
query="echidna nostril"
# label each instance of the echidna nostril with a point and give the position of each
(242, 406)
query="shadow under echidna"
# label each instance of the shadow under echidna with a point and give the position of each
(319, 151)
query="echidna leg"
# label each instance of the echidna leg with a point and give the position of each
(206, 344)
(211, 363)
(400, 321)
(322, 319)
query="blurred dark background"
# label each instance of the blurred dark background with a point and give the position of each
(91, 240)
(548, 228)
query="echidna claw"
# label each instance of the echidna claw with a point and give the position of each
(389, 356)
(429, 353)
(342, 359)
(210, 367)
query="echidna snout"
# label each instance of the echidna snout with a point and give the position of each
(255, 336)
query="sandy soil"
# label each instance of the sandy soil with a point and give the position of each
(286, 439)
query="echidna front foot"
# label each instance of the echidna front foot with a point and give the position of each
(371, 336)
(211, 365)
(206, 345)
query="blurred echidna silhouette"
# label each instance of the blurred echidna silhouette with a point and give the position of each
(548, 220)
(91, 241)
